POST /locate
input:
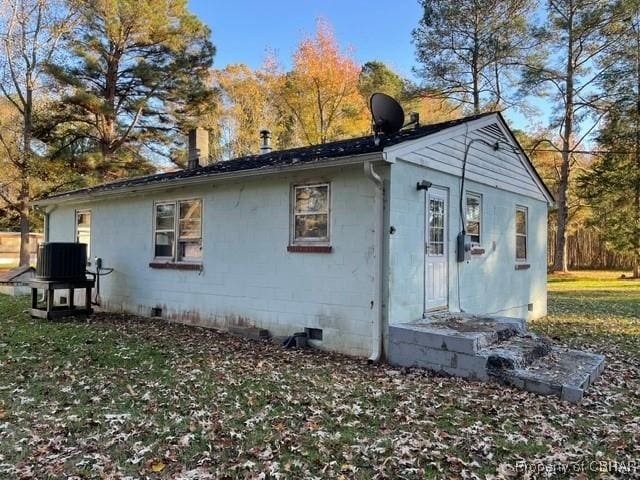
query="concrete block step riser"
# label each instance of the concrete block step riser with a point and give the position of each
(454, 363)
(519, 359)
(468, 345)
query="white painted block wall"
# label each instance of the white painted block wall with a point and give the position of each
(248, 275)
(489, 283)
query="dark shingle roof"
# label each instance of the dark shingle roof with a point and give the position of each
(280, 158)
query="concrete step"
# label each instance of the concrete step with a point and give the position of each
(516, 352)
(563, 372)
(500, 349)
(464, 334)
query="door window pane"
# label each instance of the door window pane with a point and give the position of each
(436, 227)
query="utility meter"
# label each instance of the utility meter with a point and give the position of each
(463, 247)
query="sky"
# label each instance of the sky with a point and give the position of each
(244, 30)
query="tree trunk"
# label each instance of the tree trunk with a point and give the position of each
(23, 207)
(474, 69)
(24, 197)
(636, 200)
(560, 261)
(109, 120)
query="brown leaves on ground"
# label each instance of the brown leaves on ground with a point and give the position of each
(123, 397)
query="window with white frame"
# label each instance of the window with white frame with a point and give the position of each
(521, 233)
(178, 230)
(474, 217)
(310, 211)
(83, 229)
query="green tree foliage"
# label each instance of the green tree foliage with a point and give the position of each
(376, 76)
(468, 49)
(31, 34)
(613, 185)
(136, 77)
(575, 36)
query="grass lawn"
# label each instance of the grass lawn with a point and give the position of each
(118, 396)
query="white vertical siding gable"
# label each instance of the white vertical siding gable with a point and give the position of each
(503, 169)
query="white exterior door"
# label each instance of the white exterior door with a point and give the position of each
(436, 272)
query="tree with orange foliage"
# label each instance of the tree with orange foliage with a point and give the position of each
(321, 92)
(243, 109)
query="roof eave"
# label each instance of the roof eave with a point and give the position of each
(212, 178)
(551, 201)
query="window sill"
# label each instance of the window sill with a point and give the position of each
(176, 266)
(309, 248)
(522, 266)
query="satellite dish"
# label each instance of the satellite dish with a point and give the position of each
(388, 116)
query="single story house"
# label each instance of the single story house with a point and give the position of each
(340, 240)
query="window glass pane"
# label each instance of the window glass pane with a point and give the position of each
(84, 219)
(190, 219)
(473, 230)
(473, 208)
(521, 247)
(312, 199)
(165, 216)
(311, 227)
(83, 229)
(164, 244)
(191, 249)
(83, 237)
(521, 222)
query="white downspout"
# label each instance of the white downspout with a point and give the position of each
(378, 208)
(47, 212)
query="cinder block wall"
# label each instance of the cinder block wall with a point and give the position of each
(248, 275)
(488, 283)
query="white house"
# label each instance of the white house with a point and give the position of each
(341, 239)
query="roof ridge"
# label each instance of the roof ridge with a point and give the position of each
(339, 148)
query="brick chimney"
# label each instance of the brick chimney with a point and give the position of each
(198, 148)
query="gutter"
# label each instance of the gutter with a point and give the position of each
(378, 208)
(206, 179)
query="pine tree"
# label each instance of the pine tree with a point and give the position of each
(469, 49)
(137, 75)
(613, 185)
(576, 35)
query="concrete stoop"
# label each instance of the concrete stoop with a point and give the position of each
(494, 349)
